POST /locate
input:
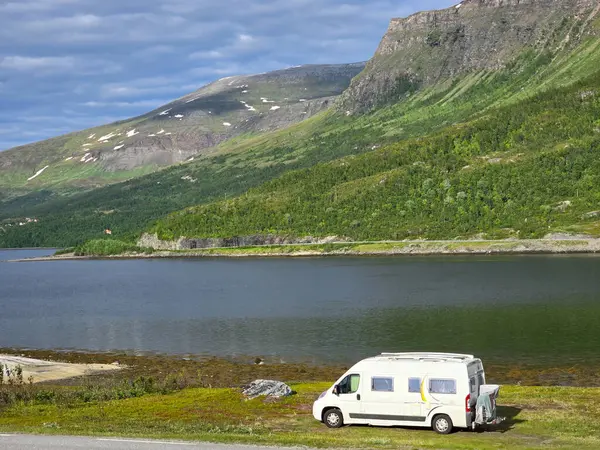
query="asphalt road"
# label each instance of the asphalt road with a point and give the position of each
(27, 442)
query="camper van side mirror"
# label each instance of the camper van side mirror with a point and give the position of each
(336, 389)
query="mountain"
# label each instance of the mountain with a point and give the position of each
(477, 38)
(520, 82)
(528, 170)
(431, 139)
(176, 132)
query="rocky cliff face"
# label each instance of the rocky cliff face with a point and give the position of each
(152, 241)
(471, 36)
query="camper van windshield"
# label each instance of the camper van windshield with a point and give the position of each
(349, 384)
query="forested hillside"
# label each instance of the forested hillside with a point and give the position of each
(523, 170)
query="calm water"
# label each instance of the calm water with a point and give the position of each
(540, 309)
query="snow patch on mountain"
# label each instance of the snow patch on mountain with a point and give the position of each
(39, 172)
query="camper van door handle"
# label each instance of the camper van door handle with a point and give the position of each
(357, 396)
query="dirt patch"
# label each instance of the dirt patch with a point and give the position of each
(38, 370)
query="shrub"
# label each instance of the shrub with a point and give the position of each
(108, 247)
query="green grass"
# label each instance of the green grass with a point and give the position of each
(199, 399)
(539, 417)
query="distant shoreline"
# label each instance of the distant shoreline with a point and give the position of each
(26, 248)
(388, 248)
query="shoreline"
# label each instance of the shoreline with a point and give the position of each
(230, 371)
(362, 249)
(38, 370)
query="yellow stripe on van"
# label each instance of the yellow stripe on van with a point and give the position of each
(423, 390)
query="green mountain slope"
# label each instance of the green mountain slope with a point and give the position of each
(524, 170)
(183, 129)
(412, 118)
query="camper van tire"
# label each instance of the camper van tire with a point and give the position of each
(442, 424)
(333, 418)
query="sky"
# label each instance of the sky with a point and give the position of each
(67, 65)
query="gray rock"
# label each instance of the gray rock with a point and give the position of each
(469, 37)
(268, 388)
(591, 215)
(182, 243)
(563, 206)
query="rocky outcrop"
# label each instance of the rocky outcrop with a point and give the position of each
(183, 243)
(152, 241)
(471, 36)
(267, 388)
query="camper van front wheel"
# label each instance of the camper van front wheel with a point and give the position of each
(333, 418)
(442, 424)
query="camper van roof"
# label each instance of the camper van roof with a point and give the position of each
(425, 356)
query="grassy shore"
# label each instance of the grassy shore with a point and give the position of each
(453, 247)
(200, 399)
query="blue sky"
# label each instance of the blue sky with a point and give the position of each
(67, 65)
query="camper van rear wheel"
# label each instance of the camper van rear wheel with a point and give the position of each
(442, 424)
(333, 418)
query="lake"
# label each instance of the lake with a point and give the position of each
(534, 309)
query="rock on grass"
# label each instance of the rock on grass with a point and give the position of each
(268, 388)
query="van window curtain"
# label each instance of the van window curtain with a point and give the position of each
(354, 382)
(442, 386)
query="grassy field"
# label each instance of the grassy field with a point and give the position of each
(163, 397)
(537, 417)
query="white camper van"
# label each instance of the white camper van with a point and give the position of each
(437, 390)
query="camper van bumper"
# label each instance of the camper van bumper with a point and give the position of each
(470, 419)
(317, 410)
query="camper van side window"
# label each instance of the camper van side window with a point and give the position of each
(437, 386)
(382, 384)
(414, 385)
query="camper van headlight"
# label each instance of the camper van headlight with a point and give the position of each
(323, 394)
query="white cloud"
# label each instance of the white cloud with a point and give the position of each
(150, 104)
(34, 6)
(120, 91)
(51, 65)
(211, 54)
(155, 51)
(9, 130)
(28, 63)
(80, 21)
(245, 38)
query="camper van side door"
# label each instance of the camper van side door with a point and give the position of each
(349, 396)
(389, 402)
